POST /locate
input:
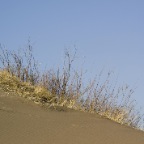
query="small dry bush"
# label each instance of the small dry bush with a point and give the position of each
(64, 87)
(21, 64)
(113, 103)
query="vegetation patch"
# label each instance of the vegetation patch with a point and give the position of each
(65, 89)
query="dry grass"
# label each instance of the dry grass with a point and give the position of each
(38, 93)
(20, 74)
(11, 83)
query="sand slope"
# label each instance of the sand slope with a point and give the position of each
(23, 122)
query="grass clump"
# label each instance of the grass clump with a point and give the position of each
(20, 74)
(11, 83)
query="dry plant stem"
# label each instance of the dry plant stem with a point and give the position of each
(24, 66)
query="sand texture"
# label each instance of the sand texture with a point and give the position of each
(23, 122)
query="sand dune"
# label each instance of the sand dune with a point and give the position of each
(23, 122)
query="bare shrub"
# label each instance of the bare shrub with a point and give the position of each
(65, 84)
(113, 103)
(21, 64)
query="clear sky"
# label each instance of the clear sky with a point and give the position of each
(108, 34)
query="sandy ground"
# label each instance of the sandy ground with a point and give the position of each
(23, 122)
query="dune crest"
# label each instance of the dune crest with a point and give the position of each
(23, 122)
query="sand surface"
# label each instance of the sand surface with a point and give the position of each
(23, 122)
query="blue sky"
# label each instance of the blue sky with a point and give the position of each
(108, 34)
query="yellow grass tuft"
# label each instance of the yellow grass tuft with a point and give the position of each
(11, 83)
(118, 115)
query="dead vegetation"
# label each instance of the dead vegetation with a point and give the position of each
(20, 74)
